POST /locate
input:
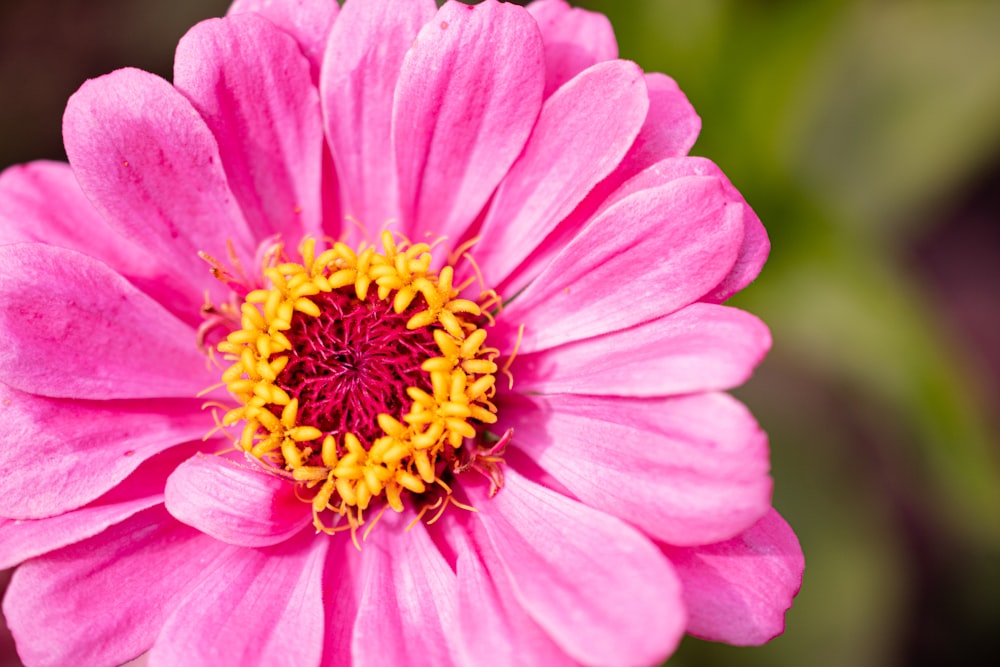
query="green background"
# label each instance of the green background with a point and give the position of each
(866, 134)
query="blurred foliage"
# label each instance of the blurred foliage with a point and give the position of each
(852, 127)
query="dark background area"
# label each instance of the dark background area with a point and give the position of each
(867, 136)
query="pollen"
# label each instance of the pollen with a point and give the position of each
(363, 376)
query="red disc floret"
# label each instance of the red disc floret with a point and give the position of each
(352, 362)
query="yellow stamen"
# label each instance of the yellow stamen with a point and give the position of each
(343, 474)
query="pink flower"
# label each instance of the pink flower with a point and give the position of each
(498, 391)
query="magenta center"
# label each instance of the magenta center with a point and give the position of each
(352, 362)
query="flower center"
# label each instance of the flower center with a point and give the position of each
(354, 361)
(365, 378)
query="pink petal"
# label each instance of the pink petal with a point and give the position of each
(753, 253)
(598, 587)
(647, 256)
(151, 167)
(358, 81)
(236, 503)
(703, 347)
(89, 446)
(342, 590)
(251, 84)
(74, 328)
(756, 246)
(582, 133)
(574, 40)
(468, 95)
(21, 539)
(670, 130)
(124, 582)
(491, 622)
(308, 21)
(686, 470)
(738, 591)
(42, 202)
(261, 607)
(407, 608)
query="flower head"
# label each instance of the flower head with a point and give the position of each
(385, 334)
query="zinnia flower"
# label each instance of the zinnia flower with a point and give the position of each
(443, 290)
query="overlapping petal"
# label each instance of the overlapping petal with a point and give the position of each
(308, 21)
(574, 40)
(703, 347)
(74, 328)
(468, 95)
(342, 590)
(580, 574)
(360, 69)
(124, 582)
(41, 202)
(270, 145)
(235, 503)
(491, 621)
(21, 539)
(150, 165)
(738, 591)
(266, 609)
(582, 133)
(408, 594)
(649, 255)
(686, 470)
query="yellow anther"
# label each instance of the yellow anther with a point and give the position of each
(278, 280)
(268, 420)
(305, 433)
(424, 318)
(304, 305)
(450, 409)
(309, 473)
(285, 312)
(390, 426)
(307, 288)
(372, 481)
(329, 452)
(404, 297)
(424, 467)
(410, 482)
(264, 346)
(274, 298)
(353, 445)
(346, 491)
(233, 416)
(232, 373)
(258, 296)
(364, 495)
(322, 497)
(471, 345)
(479, 366)
(289, 413)
(240, 386)
(291, 453)
(246, 438)
(392, 496)
(342, 278)
(450, 323)
(481, 387)
(252, 319)
(308, 252)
